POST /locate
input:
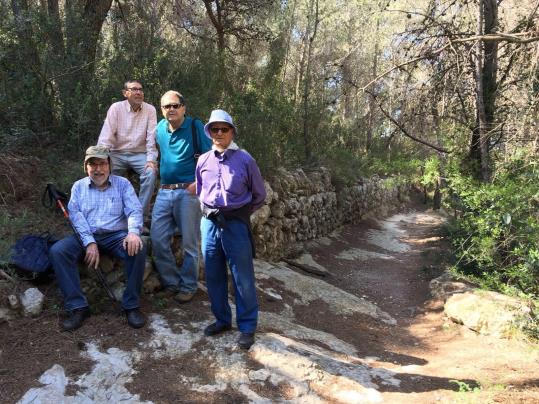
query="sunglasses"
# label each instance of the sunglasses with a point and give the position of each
(214, 129)
(173, 106)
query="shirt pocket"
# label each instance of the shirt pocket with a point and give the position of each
(113, 206)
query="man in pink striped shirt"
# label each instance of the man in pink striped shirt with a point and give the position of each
(129, 133)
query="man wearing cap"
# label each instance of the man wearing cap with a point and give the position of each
(107, 216)
(180, 139)
(230, 188)
(129, 132)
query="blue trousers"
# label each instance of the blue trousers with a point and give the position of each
(230, 245)
(176, 208)
(122, 161)
(66, 253)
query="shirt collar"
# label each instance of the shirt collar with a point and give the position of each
(91, 184)
(129, 109)
(185, 124)
(231, 146)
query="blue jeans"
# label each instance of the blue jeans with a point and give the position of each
(176, 208)
(66, 253)
(231, 245)
(122, 161)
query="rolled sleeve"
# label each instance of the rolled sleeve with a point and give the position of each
(109, 128)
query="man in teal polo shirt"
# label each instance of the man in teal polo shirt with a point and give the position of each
(176, 205)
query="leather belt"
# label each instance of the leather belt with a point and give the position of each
(179, 185)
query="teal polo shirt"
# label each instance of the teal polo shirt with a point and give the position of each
(176, 151)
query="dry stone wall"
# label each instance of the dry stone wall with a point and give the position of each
(304, 205)
(300, 206)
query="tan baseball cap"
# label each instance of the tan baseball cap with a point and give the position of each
(99, 152)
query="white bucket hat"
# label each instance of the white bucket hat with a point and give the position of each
(219, 115)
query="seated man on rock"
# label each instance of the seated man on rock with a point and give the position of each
(107, 215)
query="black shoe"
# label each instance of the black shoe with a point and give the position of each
(214, 329)
(75, 319)
(135, 318)
(246, 340)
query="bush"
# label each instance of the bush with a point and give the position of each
(496, 236)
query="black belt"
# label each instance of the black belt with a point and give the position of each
(179, 185)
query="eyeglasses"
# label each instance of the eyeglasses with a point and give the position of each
(102, 164)
(224, 129)
(136, 89)
(173, 106)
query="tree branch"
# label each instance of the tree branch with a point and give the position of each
(403, 129)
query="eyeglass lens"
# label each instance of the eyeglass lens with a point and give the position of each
(175, 106)
(214, 129)
(94, 164)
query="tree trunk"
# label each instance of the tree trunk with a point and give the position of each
(216, 19)
(372, 101)
(307, 81)
(40, 116)
(486, 67)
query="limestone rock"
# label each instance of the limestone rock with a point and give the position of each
(488, 313)
(32, 302)
(14, 302)
(260, 216)
(444, 286)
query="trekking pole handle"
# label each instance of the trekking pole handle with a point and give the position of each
(53, 192)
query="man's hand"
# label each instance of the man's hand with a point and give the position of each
(133, 244)
(92, 256)
(192, 188)
(151, 164)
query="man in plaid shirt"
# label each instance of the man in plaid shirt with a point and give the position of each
(107, 216)
(129, 132)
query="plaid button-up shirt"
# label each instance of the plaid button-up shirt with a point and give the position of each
(102, 211)
(126, 130)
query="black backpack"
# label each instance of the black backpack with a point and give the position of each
(194, 136)
(31, 253)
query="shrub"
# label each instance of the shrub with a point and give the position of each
(496, 237)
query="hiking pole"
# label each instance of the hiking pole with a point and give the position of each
(59, 197)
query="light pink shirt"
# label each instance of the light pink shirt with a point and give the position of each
(125, 130)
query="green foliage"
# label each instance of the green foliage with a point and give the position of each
(402, 166)
(496, 236)
(431, 172)
(465, 387)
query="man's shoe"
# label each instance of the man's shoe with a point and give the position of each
(246, 340)
(75, 319)
(167, 293)
(214, 329)
(135, 318)
(184, 297)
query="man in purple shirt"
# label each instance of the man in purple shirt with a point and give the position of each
(230, 188)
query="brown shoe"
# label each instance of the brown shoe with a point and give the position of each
(184, 297)
(166, 293)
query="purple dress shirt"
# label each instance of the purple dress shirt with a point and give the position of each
(229, 180)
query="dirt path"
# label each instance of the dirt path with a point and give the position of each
(362, 329)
